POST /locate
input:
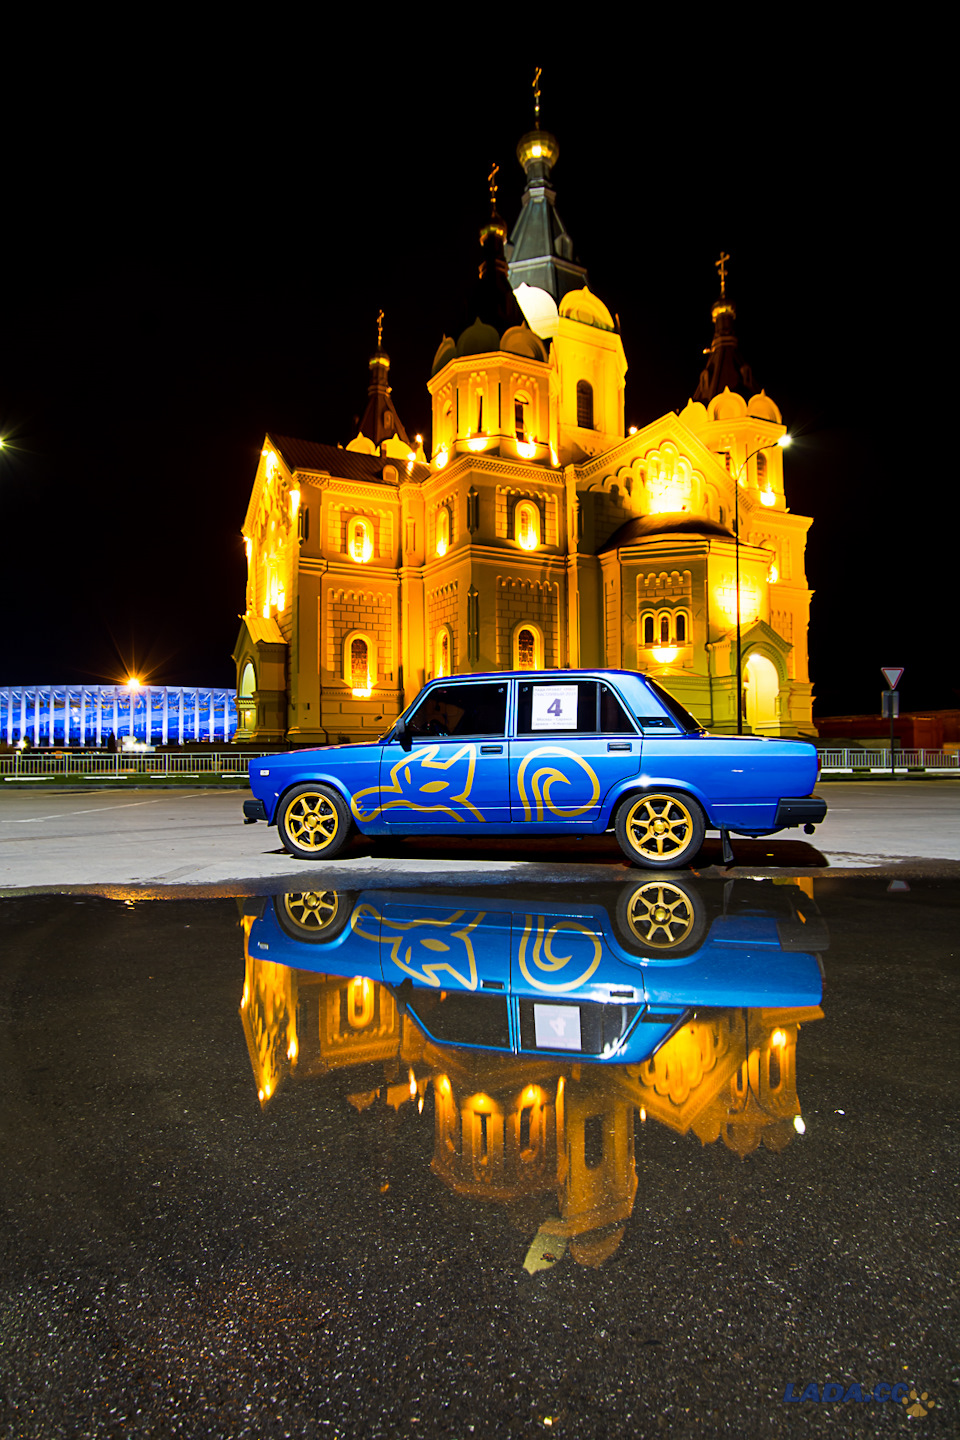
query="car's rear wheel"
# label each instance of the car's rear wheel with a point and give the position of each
(660, 918)
(314, 822)
(660, 830)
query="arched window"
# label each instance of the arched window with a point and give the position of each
(443, 530)
(359, 665)
(527, 647)
(521, 407)
(527, 525)
(584, 405)
(360, 539)
(648, 629)
(664, 630)
(248, 680)
(443, 652)
(681, 628)
(359, 662)
(761, 470)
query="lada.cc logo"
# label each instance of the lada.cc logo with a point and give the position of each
(541, 783)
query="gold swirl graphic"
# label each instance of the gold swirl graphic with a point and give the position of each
(540, 954)
(412, 784)
(544, 779)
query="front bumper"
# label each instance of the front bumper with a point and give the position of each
(253, 810)
(808, 811)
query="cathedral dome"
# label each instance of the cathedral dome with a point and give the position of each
(478, 339)
(520, 340)
(727, 406)
(446, 351)
(677, 523)
(763, 408)
(583, 305)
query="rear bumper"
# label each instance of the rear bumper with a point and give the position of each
(253, 810)
(809, 811)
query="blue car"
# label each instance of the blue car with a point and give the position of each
(604, 983)
(554, 752)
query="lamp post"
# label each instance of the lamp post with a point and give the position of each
(783, 443)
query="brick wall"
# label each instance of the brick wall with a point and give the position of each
(534, 600)
(367, 610)
(442, 610)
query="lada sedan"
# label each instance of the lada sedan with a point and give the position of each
(556, 752)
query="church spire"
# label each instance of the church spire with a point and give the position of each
(540, 251)
(380, 419)
(725, 367)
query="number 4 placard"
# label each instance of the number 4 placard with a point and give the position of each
(554, 707)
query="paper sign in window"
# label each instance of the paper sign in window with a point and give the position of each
(554, 707)
(557, 1027)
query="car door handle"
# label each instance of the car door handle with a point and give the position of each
(491, 749)
(493, 985)
(619, 745)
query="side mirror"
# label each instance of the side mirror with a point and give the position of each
(402, 735)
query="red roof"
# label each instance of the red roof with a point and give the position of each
(344, 464)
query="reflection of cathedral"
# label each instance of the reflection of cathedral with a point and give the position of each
(510, 1128)
(540, 532)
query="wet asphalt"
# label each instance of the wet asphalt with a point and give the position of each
(183, 1258)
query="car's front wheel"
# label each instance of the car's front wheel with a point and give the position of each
(660, 830)
(314, 822)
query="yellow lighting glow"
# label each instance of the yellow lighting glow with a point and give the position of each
(272, 464)
(292, 1050)
(444, 1085)
(248, 546)
(266, 610)
(767, 497)
(361, 694)
(413, 1083)
(132, 682)
(785, 442)
(665, 654)
(294, 503)
(778, 1038)
(554, 457)
(726, 596)
(773, 575)
(632, 430)
(526, 449)
(479, 443)
(643, 1112)
(528, 541)
(419, 439)
(441, 458)
(536, 151)
(798, 1125)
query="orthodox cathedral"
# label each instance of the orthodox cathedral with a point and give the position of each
(538, 533)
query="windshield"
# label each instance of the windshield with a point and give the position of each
(685, 721)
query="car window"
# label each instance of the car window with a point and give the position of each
(557, 707)
(613, 717)
(461, 710)
(654, 708)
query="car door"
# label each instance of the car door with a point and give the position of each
(451, 961)
(573, 742)
(454, 777)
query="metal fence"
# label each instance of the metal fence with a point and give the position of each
(879, 760)
(94, 765)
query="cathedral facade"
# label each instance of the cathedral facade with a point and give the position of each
(539, 533)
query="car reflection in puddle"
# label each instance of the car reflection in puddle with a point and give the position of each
(541, 1032)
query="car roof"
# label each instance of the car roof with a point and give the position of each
(555, 674)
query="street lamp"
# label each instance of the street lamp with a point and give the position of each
(784, 442)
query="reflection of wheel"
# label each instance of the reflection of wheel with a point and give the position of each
(316, 916)
(660, 917)
(313, 822)
(660, 830)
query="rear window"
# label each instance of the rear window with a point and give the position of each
(655, 708)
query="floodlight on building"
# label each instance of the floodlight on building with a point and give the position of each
(133, 683)
(665, 654)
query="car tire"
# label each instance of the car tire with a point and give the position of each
(314, 822)
(313, 916)
(660, 919)
(660, 829)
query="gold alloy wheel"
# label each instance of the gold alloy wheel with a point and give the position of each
(311, 821)
(660, 827)
(660, 915)
(312, 910)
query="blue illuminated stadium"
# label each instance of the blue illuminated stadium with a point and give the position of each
(87, 715)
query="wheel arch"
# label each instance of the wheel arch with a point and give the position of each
(328, 780)
(637, 785)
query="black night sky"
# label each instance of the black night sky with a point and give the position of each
(200, 253)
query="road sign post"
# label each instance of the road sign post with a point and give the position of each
(890, 703)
